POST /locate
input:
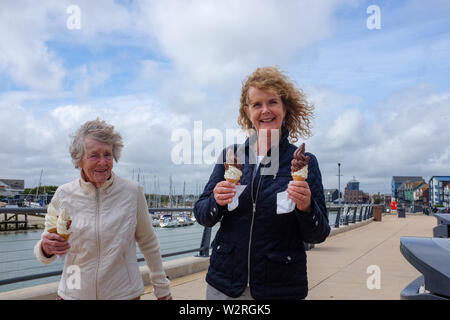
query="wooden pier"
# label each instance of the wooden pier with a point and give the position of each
(14, 219)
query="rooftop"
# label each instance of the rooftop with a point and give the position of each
(401, 179)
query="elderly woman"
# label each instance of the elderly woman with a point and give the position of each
(108, 216)
(258, 251)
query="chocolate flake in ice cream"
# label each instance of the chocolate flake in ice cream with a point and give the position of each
(299, 164)
(233, 169)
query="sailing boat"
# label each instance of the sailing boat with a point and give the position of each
(35, 204)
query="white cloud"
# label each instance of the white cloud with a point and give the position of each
(24, 28)
(88, 78)
(407, 137)
(216, 41)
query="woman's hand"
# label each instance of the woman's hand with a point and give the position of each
(299, 192)
(224, 192)
(53, 243)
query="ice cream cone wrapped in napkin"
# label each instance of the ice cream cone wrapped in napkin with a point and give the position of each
(58, 223)
(233, 173)
(299, 164)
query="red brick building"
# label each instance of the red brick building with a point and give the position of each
(356, 196)
(352, 194)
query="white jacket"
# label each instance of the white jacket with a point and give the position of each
(106, 224)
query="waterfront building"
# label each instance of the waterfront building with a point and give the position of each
(437, 186)
(11, 187)
(352, 194)
(411, 195)
(447, 195)
(421, 194)
(397, 181)
(331, 194)
(353, 185)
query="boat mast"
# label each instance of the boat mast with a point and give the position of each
(39, 186)
(184, 194)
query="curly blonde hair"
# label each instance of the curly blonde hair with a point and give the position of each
(299, 112)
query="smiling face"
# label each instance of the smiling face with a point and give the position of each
(265, 110)
(97, 162)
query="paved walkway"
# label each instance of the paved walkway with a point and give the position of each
(337, 268)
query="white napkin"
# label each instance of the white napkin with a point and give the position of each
(233, 205)
(284, 203)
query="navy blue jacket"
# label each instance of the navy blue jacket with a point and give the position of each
(259, 246)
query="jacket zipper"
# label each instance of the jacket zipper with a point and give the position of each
(251, 225)
(97, 218)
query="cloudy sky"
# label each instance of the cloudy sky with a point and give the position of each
(156, 69)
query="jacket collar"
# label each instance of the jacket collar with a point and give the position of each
(88, 187)
(284, 142)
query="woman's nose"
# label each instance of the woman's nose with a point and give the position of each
(102, 159)
(265, 108)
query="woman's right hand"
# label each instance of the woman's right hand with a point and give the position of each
(53, 243)
(224, 192)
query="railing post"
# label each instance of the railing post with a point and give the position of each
(354, 214)
(346, 210)
(338, 217)
(206, 240)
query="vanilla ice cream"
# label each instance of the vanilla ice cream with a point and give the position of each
(51, 219)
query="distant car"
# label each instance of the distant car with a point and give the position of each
(441, 210)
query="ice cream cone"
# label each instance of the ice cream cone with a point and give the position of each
(65, 236)
(233, 181)
(298, 178)
(52, 230)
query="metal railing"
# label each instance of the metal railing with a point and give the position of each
(345, 214)
(349, 213)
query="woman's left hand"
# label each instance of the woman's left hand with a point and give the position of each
(299, 192)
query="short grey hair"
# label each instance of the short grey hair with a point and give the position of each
(99, 130)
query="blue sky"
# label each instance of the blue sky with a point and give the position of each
(150, 67)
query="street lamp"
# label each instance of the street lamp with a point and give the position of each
(339, 182)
